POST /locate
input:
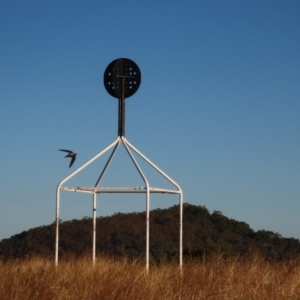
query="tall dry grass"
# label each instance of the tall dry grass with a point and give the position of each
(218, 278)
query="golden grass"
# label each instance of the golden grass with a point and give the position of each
(218, 278)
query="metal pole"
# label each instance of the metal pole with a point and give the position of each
(120, 118)
(123, 108)
(94, 227)
(180, 229)
(147, 228)
(57, 225)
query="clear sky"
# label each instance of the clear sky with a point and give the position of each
(217, 109)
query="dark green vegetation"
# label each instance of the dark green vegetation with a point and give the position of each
(124, 234)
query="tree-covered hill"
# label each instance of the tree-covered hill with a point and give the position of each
(124, 234)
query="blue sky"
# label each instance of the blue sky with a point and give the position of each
(217, 108)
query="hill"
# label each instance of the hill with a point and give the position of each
(124, 234)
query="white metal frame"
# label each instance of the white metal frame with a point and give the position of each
(97, 189)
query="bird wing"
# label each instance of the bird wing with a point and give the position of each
(72, 161)
(65, 150)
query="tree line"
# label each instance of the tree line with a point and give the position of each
(121, 234)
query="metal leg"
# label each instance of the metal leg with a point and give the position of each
(147, 229)
(180, 229)
(57, 225)
(94, 227)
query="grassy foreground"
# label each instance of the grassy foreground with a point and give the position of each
(218, 278)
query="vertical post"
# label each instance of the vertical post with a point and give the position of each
(57, 225)
(94, 227)
(120, 118)
(123, 106)
(147, 227)
(121, 130)
(180, 229)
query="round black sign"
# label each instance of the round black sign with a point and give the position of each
(119, 72)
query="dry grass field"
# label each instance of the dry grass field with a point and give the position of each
(218, 278)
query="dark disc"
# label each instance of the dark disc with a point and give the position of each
(119, 70)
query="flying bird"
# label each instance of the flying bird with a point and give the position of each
(70, 154)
